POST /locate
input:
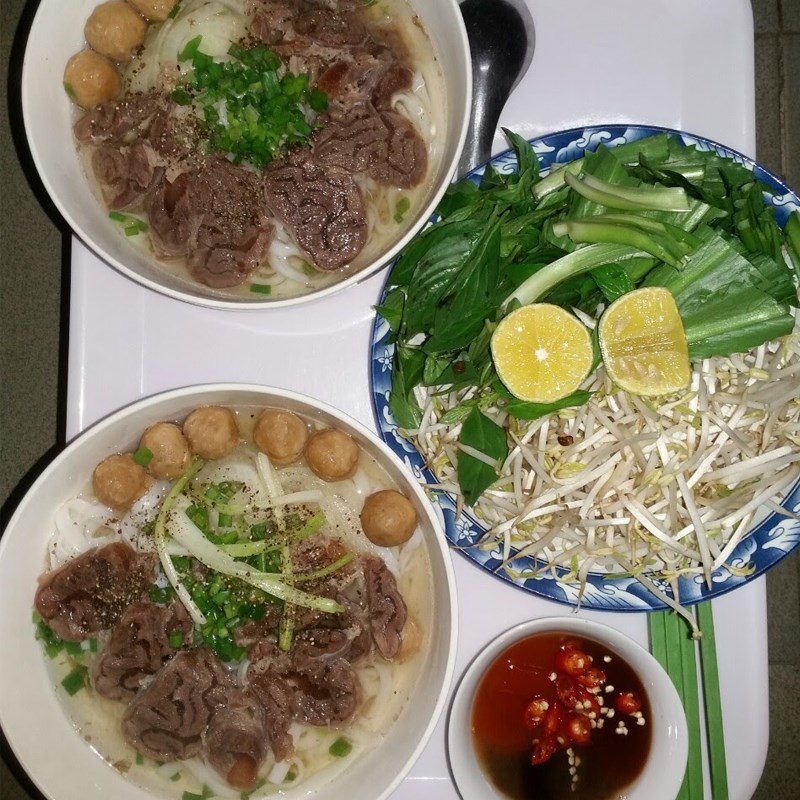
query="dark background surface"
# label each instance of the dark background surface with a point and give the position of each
(34, 311)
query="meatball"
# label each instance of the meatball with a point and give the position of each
(119, 481)
(388, 518)
(280, 434)
(169, 448)
(91, 79)
(212, 431)
(332, 455)
(155, 10)
(115, 30)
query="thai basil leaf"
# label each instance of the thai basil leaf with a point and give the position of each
(409, 363)
(522, 410)
(474, 476)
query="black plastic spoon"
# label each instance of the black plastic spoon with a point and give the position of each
(501, 38)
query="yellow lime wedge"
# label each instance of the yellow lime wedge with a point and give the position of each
(541, 353)
(643, 343)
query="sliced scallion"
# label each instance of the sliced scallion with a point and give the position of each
(75, 680)
(143, 456)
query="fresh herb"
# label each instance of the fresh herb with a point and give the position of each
(486, 436)
(651, 212)
(143, 456)
(248, 106)
(160, 594)
(75, 680)
(260, 288)
(341, 747)
(175, 639)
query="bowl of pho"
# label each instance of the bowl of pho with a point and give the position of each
(246, 153)
(225, 590)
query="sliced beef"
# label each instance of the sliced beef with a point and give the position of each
(91, 592)
(325, 691)
(387, 609)
(322, 208)
(117, 120)
(236, 740)
(125, 174)
(331, 28)
(253, 631)
(213, 216)
(271, 20)
(167, 719)
(267, 678)
(380, 143)
(138, 647)
(364, 78)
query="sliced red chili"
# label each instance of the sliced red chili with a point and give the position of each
(577, 728)
(628, 703)
(572, 662)
(536, 711)
(552, 719)
(567, 691)
(592, 678)
(543, 750)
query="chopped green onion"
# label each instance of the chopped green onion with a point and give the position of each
(290, 776)
(76, 680)
(575, 263)
(248, 794)
(247, 549)
(191, 49)
(176, 777)
(92, 645)
(69, 90)
(73, 648)
(143, 456)
(139, 759)
(260, 288)
(628, 198)
(181, 96)
(224, 520)
(341, 748)
(176, 639)
(174, 13)
(400, 209)
(303, 577)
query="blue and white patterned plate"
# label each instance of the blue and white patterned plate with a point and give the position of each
(766, 544)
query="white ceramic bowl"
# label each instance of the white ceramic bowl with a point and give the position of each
(34, 721)
(57, 33)
(662, 774)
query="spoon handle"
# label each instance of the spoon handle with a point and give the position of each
(499, 43)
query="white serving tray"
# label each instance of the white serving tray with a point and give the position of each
(678, 63)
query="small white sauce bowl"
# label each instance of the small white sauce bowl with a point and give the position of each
(52, 751)
(663, 771)
(57, 33)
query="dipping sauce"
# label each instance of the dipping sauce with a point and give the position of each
(560, 716)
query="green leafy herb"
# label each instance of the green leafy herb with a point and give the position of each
(522, 410)
(480, 433)
(651, 212)
(175, 639)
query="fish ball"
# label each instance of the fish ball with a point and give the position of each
(156, 10)
(332, 455)
(169, 448)
(280, 434)
(91, 79)
(388, 518)
(119, 481)
(115, 30)
(212, 431)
